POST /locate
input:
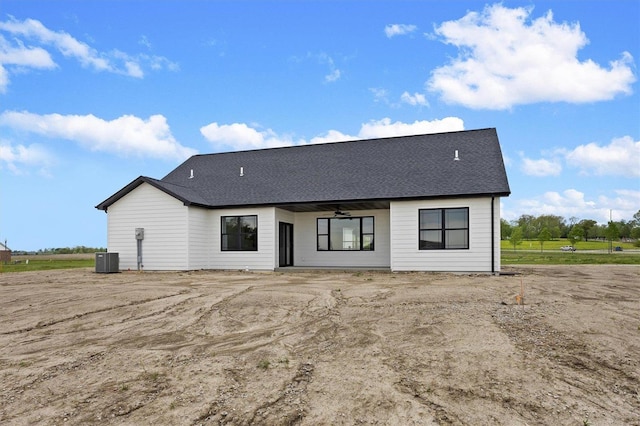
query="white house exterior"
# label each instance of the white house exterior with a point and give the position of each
(309, 206)
(483, 254)
(5, 253)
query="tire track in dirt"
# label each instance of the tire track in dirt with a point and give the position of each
(285, 406)
(547, 345)
(87, 363)
(325, 348)
(179, 337)
(416, 376)
(202, 312)
(420, 392)
(27, 390)
(289, 408)
(317, 322)
(226, 345)
(44, 324)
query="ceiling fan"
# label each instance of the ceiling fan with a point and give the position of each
(339, 212)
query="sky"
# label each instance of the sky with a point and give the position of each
(94, 94)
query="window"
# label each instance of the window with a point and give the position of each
(444, 229)
(239, 233)
(345, 233)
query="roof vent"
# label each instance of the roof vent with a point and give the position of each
(241, 171)
(455, 156)
(191, 175)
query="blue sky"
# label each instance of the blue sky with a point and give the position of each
(94, 94)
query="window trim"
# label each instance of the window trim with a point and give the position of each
(239, 232)
(361, 237)
(443, 230)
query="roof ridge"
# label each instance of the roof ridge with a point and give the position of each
(343, 142)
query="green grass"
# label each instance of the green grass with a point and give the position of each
(556, 244)
(509, 257)
(528, 252)
(587, 253)
(47, 264)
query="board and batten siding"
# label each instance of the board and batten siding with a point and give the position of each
(406, 256)
(306, 252)
(262, 259)
(164, 220)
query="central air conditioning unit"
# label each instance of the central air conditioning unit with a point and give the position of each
(107, 263)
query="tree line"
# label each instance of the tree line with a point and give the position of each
(548, 227)
(62, 250)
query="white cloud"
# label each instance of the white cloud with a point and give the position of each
(379, 94)
(385, 128)
(144, 41)
(568, 203)
(157, 62)
(541, 167)
(133, 69)
(506, 59)
(620, 157)
(622, 205)
(126, 135)
(4, 79)
(332, 136)
(16, 53)
(21, 56)
(399, 29)
(34, 57)
(14, 158)
(242, 136)
(415, 99)
(334, 75)
(65, 43)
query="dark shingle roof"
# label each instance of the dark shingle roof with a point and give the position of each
(407, 167)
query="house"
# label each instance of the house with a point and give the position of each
(5, 253)
(411, 203)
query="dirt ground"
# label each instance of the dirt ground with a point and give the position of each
(321, 348)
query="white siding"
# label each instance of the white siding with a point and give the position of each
(305, 243)
(496, 233)
(263, 259)
(200, 238)
(478, 258)
(164, 220)
(187, 238)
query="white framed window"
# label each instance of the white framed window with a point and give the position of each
(345, 234)
(443, 229)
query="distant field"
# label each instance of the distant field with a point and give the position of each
(556, 244)
(530, 256)
(47, 262)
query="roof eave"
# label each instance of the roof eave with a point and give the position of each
(133, 185)
(353, 200)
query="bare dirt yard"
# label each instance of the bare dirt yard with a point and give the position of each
(321, 348)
